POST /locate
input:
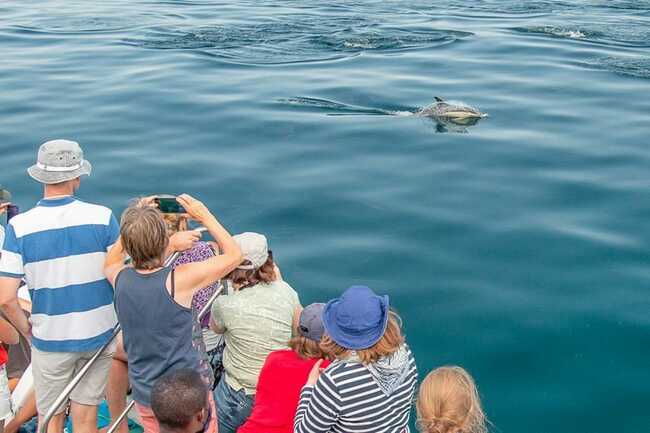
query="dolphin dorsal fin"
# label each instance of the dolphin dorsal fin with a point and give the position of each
(438, 99)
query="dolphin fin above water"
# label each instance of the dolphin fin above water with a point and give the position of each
(450, 110)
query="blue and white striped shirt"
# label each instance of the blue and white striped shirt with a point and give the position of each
(347, 399)
(59, 248)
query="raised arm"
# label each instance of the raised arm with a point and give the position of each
(193, 276)
(114, 261)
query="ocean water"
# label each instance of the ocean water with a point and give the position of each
(516, 247)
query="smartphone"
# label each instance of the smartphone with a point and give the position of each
(12, 211)
(168, 204)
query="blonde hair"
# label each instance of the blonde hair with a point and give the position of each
(388, 344)
(144, 236)
(448, 402)
(175, 222)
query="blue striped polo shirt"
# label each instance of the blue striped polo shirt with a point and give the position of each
(59, 248)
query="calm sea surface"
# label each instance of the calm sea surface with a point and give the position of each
(517, 248)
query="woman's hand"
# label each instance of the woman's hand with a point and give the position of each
(182, 241)
(314, 374)
(147, 201)
(3, 207)
(195, 208)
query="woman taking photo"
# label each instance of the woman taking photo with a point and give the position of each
(370, 388)
(153, 302)
(203, 338)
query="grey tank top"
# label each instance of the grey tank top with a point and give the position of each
(157, 331)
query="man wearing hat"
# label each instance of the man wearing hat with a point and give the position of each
(58, 248)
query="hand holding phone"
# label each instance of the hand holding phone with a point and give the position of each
(195, 208)
(168, 204)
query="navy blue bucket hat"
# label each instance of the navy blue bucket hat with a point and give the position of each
(358, 319)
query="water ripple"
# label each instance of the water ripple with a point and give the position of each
(631, 66)
(78, 25)
(618, 34)
(270, 43)
(499, 7)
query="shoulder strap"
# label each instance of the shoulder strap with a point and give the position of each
(117, 287)
(117, 278)
(173, 284)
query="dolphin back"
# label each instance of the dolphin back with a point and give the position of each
(450, 110)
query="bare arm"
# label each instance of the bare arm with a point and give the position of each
(114, 261)
(8, 333)
(193, 276)
(11, 308)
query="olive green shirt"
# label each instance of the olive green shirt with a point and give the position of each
(257, 320)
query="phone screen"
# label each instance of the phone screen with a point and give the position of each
(169, 205)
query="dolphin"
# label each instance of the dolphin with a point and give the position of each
(449, 116)
(455, 111)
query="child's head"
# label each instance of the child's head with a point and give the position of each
(448, 402)
(310, 331)
(179, 400)
(144, 236)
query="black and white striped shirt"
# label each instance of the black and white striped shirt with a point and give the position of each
(346, 399)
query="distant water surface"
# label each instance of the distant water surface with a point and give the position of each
(517, 247)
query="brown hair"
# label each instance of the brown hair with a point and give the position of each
(144, 236)
(243, 278)
(307, 348)
(388, 344)
(448, 402)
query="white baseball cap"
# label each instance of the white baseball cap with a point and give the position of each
(254, 248)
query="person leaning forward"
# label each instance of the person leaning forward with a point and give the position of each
(58, 247)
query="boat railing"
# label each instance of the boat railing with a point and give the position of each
(63, 397)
